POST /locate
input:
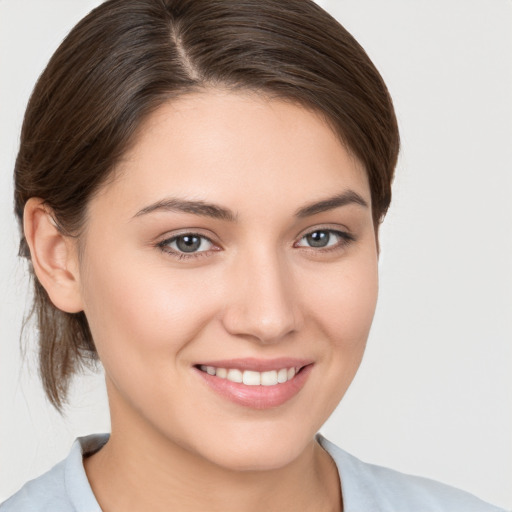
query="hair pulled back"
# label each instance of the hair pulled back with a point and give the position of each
(128, 57)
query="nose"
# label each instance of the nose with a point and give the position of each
(262, 302)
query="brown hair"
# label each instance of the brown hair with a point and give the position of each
(127, 57)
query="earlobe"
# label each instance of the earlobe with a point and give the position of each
(54, 257)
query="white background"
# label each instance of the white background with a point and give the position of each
(434, 394)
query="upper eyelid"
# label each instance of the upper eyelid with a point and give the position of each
(333, 229)
(167, 237)
(346, 235)
(189, 233)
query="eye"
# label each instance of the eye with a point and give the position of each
(323, 238)
(187, 243)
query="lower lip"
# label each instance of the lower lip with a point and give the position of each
(257, 397)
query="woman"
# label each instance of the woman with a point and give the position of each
(200, 186)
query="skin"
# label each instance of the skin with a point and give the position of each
(258, 290)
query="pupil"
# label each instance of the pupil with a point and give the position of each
(318, 239)
(187, 243)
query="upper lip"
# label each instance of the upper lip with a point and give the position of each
(258, 365)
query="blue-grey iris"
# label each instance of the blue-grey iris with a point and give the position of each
(318, 238)
(188, 243)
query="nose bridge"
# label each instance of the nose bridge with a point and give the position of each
(262, 303)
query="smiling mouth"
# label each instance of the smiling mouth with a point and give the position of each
(251, 377)
(256, 383)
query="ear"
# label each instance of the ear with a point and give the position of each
(54, 257)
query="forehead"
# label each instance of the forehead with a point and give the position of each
(236, 147)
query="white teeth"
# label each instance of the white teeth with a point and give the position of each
(269, 378)
(250, 377)
(282, 375)
(235, 376)
(222, 373)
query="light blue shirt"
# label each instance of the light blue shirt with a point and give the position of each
(365, 487)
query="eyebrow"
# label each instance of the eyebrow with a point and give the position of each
(343, 199)
(215, 211)
(195, 207)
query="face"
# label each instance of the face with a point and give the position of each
(235, 244)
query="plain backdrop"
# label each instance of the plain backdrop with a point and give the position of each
(434, 394)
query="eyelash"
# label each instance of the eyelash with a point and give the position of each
(345, 239)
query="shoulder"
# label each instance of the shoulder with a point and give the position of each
(63, 488)
(44, 493)
(370, 487)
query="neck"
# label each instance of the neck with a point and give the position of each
(136, 471)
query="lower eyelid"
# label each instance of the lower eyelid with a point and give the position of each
(192, 255)
(184, 256)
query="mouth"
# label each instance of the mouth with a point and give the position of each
(256, 384)
(252, 377)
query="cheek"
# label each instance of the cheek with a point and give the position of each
(344, 300)
(140, 311)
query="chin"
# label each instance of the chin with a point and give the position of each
(261, 451)
(258, 460)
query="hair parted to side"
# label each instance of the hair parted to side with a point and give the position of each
(128, 57)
